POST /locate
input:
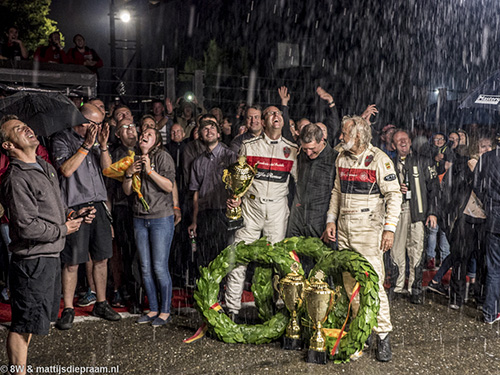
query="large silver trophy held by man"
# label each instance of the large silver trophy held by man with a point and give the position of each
(238, 177)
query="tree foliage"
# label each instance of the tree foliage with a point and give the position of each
(31, 17)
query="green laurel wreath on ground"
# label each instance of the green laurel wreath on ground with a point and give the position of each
(279, 257)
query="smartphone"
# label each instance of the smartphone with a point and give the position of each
(83, 214)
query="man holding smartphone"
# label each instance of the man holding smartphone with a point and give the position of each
(39, 223)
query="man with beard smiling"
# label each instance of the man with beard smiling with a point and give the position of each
(365, 207)
(209, 221)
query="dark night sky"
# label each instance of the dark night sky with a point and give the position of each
(391, 53)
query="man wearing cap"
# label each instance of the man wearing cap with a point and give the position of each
(209, 195)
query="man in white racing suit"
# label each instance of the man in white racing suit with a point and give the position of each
(365, 207)
(265, 204)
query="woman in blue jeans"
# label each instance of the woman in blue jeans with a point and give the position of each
(154, 227)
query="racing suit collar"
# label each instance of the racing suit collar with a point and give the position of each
(269, 140)
(359, 158)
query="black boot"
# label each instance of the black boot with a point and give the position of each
(384, 353)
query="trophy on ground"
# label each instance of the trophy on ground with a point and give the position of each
(319, 302)
(291, 289)
(238, 177)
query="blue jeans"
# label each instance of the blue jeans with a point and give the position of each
(443, 243)
(491, 301)
(153, 238)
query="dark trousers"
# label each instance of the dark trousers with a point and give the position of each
(492, 297)
(466, 238)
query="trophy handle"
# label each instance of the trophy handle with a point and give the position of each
(276, 284)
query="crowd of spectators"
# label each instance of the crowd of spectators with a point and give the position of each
(157, 239)
(12, 48)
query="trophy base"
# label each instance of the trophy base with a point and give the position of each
(234, 224)
(319, 358)
(291, 344)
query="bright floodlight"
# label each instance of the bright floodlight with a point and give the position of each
(125, 15)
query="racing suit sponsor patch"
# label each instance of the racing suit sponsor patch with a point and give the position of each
(390, 177)
(286, 151)
(368, 160)
(388, 165)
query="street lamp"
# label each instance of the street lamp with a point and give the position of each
(125, 16)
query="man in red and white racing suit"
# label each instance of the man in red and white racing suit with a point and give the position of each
(265, 204)
(365, 207)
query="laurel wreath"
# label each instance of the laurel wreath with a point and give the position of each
(279, 258)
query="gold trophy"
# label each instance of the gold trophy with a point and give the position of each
(319, 302)
(291, 289)
(238, 177)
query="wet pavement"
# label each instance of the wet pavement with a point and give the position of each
(427, 339)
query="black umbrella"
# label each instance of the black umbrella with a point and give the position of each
(45, 113)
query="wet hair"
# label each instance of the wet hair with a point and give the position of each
(7, 29)
(119, 107)
(311, 132)
(360, 126)
(255, 106)
(54, 33)
(77, 35)
(3, 134)
(208, 119)
(400, 130)
(158, 145)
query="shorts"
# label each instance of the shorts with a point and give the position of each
(35, 286)
(94, 239)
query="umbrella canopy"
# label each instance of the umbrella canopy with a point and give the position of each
(45, 113)
(448, 116)
(485, 96)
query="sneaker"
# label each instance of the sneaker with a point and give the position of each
(437, 288)
(88, 299)
(160, 322)
(117, 300)
(431, 264)
(357, 355)
(494, 320)
(66, 320)
(104, 311)
(146, 319)
(384, 353)
(454, 307)
(416, 299)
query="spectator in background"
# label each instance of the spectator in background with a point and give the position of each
(487, 189)
(386, 144)
(13, 48)
(226, 135)
(254, 126)
(209, 222)
(80, 54)
(187, 116)
(163, 116)
(53, 52)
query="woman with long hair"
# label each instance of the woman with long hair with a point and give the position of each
(154, 226)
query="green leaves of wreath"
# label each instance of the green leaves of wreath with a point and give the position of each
(280, 257)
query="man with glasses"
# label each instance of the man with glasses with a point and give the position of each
(265, 205)
(80, 154)
(124, 262)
